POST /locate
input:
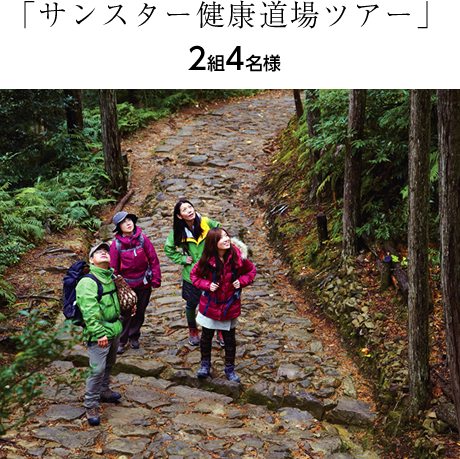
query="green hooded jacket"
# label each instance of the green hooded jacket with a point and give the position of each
(193, 247)
(101, 318)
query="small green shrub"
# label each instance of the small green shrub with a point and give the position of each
(22, 379)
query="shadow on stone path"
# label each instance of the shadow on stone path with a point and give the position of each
(294, 399)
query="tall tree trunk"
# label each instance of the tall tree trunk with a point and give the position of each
(298, 103)
(313, 117)
(449, 220)
(113, 162)
(418, 270)
(352, 179)
(74, 110)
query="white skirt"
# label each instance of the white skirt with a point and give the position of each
(213, 324)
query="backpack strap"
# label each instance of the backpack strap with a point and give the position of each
(134, 280)
(118, 246)
(236, 295)
(234, 278)
(120, 250)
(100, 288)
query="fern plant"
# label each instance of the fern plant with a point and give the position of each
(384, 181)
(7, 293)
(434, 174)
(131, 119)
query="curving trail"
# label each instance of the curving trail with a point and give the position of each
(297, 397)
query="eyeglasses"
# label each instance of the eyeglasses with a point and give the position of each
(101, 251)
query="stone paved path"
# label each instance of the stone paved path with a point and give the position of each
(294, 399)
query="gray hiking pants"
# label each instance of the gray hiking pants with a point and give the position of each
(101, 360)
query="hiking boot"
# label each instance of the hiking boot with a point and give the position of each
(205, 369)
(231, 375)
(193, 338)
(120, 349)
(135, 344)
(109, 396)
(220, 339)
(92, 416)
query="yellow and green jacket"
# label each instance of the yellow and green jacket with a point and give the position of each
(189, 246)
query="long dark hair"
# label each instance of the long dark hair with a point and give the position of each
(179, 224)
(210, 250)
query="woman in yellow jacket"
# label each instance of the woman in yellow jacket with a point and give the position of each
(188, 235)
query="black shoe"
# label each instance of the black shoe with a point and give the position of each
(92, 416)
(109, 396)
(120, 349)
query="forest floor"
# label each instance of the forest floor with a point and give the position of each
(39, 273)
(299, 235)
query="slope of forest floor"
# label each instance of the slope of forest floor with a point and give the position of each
(296, 239)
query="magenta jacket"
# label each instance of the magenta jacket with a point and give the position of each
(222, 310)
(135, 261)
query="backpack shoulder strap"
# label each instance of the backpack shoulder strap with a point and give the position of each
(234, 273)
(234, 278)
(119, 249)
(118, 246)
(99, 285)
(213, 270)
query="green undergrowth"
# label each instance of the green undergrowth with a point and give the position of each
(293, 216)
(50, 180)
(319, 271)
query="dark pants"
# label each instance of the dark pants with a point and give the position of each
(190, 314)
(101, 361)
(132, 325)
(230, 345)
(191, 295)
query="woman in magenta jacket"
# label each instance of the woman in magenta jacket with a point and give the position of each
(221, 273)
(133, 256)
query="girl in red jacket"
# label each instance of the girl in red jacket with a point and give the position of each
(221, 273)
(133, 256)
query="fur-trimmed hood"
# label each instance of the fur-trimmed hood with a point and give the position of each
(241, 246)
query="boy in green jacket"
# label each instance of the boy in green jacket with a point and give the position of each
(102, 332)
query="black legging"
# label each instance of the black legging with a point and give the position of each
(230, 345)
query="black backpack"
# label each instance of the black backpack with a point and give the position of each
(228, 302)
(70, 307)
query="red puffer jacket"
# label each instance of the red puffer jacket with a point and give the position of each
(135, 260)
(221, 310)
